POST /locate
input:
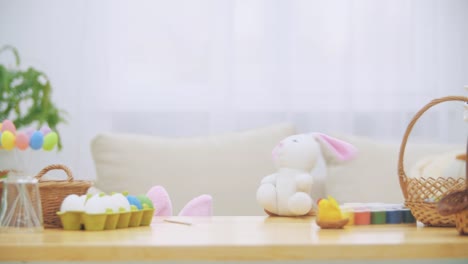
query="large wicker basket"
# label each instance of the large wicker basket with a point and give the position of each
(53, 192)
(418, 192)
(461, 222)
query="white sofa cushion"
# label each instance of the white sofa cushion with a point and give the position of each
(373, 175)
(229, 167)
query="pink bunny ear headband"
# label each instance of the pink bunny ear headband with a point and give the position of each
(335, 150)
(199, 206)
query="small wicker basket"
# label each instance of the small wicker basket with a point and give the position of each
(53, 192)
(419, 191)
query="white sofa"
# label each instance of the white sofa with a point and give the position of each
(230, 167)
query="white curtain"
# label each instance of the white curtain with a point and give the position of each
(198, 67)
(190, 68)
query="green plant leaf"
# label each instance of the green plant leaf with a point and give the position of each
(25, 99)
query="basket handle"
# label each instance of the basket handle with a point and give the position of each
(401, 171)
(55, 167)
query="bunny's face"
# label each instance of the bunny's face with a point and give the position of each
(297, 152)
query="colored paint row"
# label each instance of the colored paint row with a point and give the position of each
(377, 214)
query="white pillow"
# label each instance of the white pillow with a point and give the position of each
(229, 167)
(373, 175)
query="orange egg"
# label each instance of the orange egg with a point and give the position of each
(22, 141)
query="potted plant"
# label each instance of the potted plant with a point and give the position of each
(25, 97)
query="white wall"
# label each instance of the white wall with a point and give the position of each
(58, 37)
(183, 68)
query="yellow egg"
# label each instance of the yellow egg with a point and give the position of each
(8, 140)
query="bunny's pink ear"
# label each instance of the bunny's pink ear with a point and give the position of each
(198, 206)
(335, 150)
(161, 201)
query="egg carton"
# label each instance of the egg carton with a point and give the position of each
(77, 220)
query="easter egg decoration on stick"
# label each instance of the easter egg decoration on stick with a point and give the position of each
(7, 125)
(36, 140)
(50, 141)
(45, 130)
(8, 140)
(22, 141)
(12, 140)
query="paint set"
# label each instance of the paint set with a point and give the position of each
(377, 214)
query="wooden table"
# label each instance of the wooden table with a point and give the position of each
(236, 238)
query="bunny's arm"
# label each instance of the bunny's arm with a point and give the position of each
(304, 182)
(269, 179)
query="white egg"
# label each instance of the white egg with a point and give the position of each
(120, 201)
(95, 205)
(109, 204)
(84, 198)
(72, 203)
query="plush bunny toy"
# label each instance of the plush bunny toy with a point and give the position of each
(288, 191)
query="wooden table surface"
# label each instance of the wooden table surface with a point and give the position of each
(236, 238)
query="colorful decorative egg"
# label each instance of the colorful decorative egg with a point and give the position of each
(8, 140)
(133, 200)
(22, 141)
(7, 125)
(36, 140)
(45, 130)
(50, 140)
(144, 200)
